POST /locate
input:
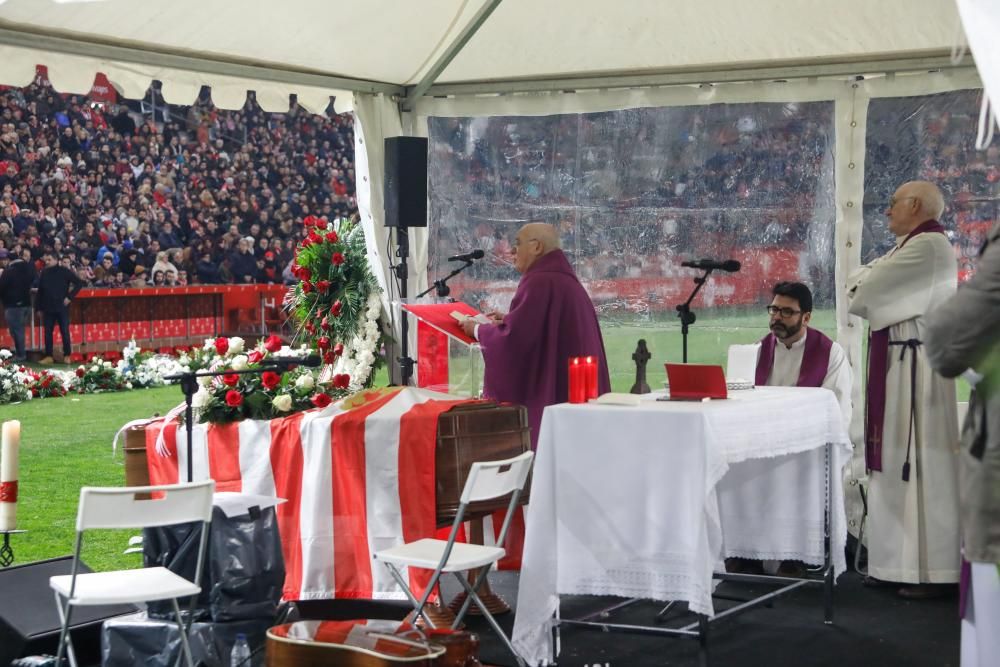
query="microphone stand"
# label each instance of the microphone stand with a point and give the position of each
(686, 314)
(189, 386)
(441, 284)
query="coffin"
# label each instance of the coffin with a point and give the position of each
(473, 432)
(482, 431)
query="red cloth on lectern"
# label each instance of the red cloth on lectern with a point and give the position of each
(432, 344)
(438, 315)
(432, 356)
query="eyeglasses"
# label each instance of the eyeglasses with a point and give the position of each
(893, 201)
(784, 312)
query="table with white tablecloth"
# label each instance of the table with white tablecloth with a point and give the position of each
(646, 501)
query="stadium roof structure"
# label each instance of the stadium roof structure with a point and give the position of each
(411, 48)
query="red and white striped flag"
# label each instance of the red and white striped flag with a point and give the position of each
(358, 477)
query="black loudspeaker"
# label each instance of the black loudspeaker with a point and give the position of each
(405, 182)
(29, 621)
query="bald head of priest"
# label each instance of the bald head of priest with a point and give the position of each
(551, 319)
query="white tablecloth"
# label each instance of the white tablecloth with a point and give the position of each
(647, 501)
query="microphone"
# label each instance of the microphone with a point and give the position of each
(309, 361)
(730, 265)
(467, 257)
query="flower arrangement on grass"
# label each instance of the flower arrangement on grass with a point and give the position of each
(266, 395)
(143, 368)
(15, 380)
(336, 302)
(98, 375)
(48, 384)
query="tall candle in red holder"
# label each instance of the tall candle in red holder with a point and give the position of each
(577, 381)
(590, 374)
(9, 446)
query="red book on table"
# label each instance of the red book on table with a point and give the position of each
(694, 382)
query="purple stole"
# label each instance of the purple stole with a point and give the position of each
(878, 366)
(815, 359)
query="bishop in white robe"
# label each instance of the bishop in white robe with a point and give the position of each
(911, 447)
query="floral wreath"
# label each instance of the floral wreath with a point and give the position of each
(337, 302)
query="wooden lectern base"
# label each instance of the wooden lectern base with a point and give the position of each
(443, 617)
(493, 602)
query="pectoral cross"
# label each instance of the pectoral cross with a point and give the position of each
(641, 356)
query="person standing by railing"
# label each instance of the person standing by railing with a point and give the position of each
(57, 286)
(16, 279)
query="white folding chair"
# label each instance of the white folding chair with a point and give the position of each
(118, 507)
(487, 480)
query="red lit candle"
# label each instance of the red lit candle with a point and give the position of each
(577, 381)
(590, 374)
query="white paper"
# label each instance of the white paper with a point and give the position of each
(478, 319)
(741, 363)
(612, 398)
(237, 504)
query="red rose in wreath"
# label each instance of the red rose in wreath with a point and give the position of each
(273, 343)
(270, 379)
(321, 400)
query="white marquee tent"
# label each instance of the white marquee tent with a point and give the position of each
(397, 62)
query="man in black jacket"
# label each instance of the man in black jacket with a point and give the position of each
(57, 286)
(16, 279)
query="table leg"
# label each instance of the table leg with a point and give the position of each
(492, 601)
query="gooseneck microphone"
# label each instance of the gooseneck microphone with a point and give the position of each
(730, 265)
(467, 257)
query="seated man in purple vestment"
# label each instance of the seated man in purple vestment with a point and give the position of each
(797, 355)
(551, 319)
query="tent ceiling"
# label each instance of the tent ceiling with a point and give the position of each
(331, 46)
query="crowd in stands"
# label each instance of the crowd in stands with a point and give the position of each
(194, 195)
(637, 190)
(931, 138)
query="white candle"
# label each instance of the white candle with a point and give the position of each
(9, 447)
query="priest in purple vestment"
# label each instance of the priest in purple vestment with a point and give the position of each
(794, 354)
(551, 319)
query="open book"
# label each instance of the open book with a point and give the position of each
(479, 318)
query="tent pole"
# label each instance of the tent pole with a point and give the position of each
(415, 93)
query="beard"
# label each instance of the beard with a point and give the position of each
(782, 331)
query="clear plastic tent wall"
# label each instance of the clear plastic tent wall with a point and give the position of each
(789, 178)
(634, 193)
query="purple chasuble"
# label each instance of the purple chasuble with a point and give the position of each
(815, 359)
(878, 367)
(527, 355)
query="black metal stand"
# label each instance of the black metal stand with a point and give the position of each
(6, 552)
(441, 284)
(402, 272)
(189, 386)
(686, 314)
